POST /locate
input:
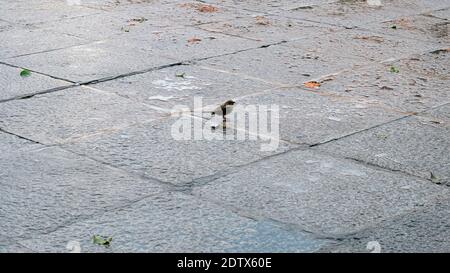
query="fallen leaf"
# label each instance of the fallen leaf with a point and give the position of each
(102, 240)
(310, 56)
(381, 136)
(393, 69)
(200, 7)
(312, 84)
(376, 39)
(261, 20)
(194, 40)
(434, 179)
(207, 8)
(25, 73)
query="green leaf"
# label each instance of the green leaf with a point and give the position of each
(180, 75)
(101, 240)
(394, 69)
(382, 136)
(434, 179)
(25, 73)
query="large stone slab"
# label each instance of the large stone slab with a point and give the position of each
(181, 12)
(269, 29)
(419, 27)
(92, 61)
(72, 114)
(321, 54)
(307, 117)
(36, 11)
(175, 222)
(422, 231)
(94, 27)
(16, 41)
(13, 85)
(268, 6)
(417, 145)
(283, 64)
(320, 193)
(179, 85)
(351, 13)
(157, 150)
(186, 43)
(46, 188)
(356, 43)
(416, 84)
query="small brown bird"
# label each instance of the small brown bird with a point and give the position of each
(224, 109)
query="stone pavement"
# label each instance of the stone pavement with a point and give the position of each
(86, 145)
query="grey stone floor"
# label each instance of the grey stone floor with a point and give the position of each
(86, 145)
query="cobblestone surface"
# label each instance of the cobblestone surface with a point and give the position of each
(88, 146)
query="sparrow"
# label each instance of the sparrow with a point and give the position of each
(224, 109)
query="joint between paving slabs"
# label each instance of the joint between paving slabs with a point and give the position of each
(50, 50)
(37, 72)
(47, 91)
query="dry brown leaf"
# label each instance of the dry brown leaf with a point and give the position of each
(207, 8)
(200, 7)
(312, 84)
(193, 40)
(261, 20)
